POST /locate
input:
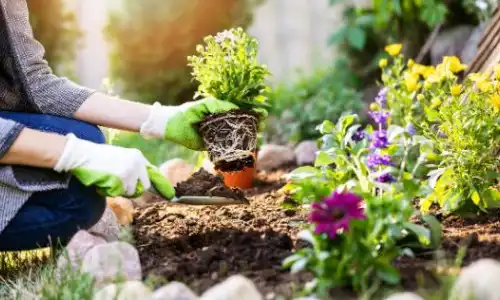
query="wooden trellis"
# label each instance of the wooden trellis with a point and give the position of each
(488, 53)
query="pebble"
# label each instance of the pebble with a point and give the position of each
(108, 227)
(306, 152)
(110, 261)
(131, 290)
(479, 280)
(236, 287)
(405, 296)
(274, 156)
(122, 208)
(77, 248)
(174, 291)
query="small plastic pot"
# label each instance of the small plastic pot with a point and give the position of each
(240, 179)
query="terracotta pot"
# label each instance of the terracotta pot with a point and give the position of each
(240, 179)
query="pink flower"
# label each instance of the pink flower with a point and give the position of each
(335, 213)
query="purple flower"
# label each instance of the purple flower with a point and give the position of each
(379, 139)
(386, 177)
(358, 136)
(410, 128)
(335, 213)
(380, 117)
(381, 98)
(374, 160)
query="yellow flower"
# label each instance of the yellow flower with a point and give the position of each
(382, 63)
(411, 82)
(495, 100)
(453, 64)
(435, 103)
(411, 62)
(420, 97)
(484, 86)
(475, 77)
(427, 85)
(496, 69)
(374, 106)
(394, 49)
(456, 89)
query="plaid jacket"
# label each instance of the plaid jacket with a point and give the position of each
(28, 85)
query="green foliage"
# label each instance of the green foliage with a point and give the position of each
(151, 39)
(298, 108)
(362, 256)
(57, 30)
(227, 69)
(366, 30)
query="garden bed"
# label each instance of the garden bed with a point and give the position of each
(201, 246)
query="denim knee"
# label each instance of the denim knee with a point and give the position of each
(91, 205)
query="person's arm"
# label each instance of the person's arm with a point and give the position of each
(108, 111)
(27, 150)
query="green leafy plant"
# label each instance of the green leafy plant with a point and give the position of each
(227, 69)
(460, 121)
(299, 107)
(354, 244)
(57, 30)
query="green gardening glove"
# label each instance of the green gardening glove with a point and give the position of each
(177, 123)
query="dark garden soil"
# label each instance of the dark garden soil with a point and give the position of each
(201, 246)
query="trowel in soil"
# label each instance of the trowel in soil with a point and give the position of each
(201, 200)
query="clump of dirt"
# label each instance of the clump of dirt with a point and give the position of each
(231, 139)
(202, 183)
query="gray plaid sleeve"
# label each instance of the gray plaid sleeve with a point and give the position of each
(51, 94)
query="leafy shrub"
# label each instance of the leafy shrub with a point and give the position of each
(461, 121)
(298, 108)
(361, 205)
(227, 69)
(57, 30)
(151, 39)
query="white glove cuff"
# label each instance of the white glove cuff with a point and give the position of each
(154, 126)
(64, 163)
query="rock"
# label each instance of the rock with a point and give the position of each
(77, 248)
(305, 152)
(274, 156)
(405, 296)
(208, 166)
(176, 170)
(174, 290)
(236, 287)
(470, 49)
(130, 290)
(478, 281)
(108, 227)
(450, 42)
(122, 208)
(110, 261)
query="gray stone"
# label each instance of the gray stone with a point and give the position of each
(450, 42)
(108, 227)
(174, 291)
(81, 243)
(405, 296)
(131, 290)
(479, 280)
(236, 287)
(110, 261)
(274, 156)
(306, 152)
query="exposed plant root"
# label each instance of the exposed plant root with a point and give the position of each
(231, 139)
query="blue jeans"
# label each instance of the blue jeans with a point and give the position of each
(53, 217)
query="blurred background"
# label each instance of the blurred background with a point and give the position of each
(323, 53)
